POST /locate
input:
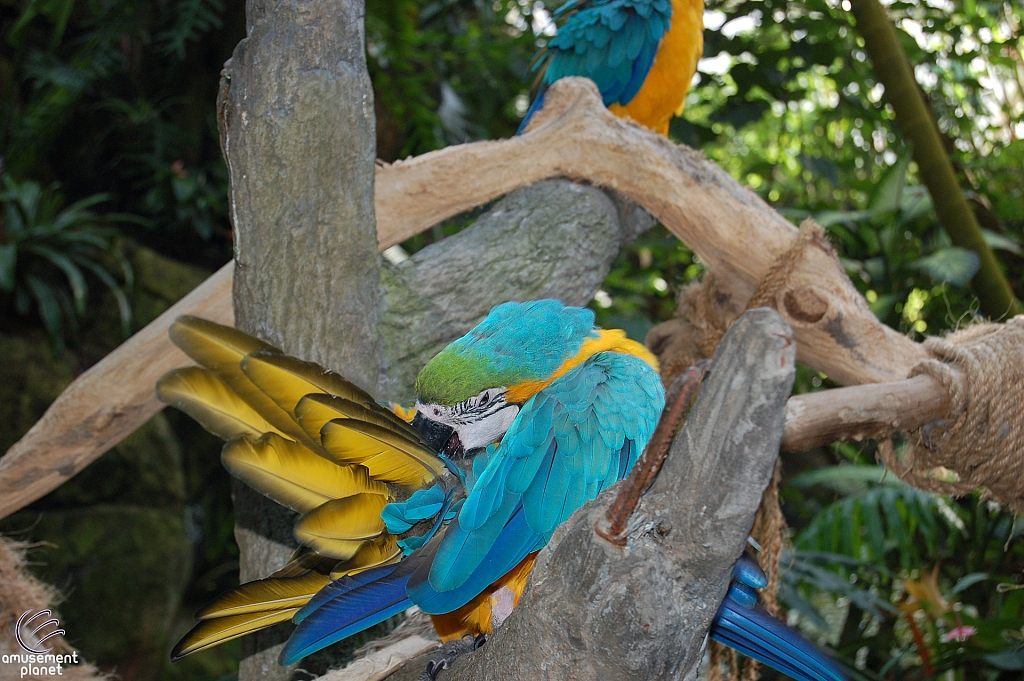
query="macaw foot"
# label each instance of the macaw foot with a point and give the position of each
(449, 652)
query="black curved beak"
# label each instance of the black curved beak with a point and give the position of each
(442, 438)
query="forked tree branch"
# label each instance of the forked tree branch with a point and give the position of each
(735, 233)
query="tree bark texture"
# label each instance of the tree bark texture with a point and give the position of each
(593, 610)
(554, 239)
(894, 71)
(297, 130)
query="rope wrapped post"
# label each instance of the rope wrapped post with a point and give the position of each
(980, 440)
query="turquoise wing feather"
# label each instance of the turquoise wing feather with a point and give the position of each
(611, 42)
(571, 440)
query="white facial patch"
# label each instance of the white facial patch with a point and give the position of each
(479, 421)
(487, 430)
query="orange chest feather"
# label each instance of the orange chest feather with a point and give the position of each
(663, 93)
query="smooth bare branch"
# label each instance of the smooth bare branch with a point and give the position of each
(736, 233)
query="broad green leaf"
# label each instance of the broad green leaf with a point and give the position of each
(999, 242)
(968, 581)
(888, 194)
(58, 11)
(891, 516)
(49, 309)
(1011, 659)
(123, 306)
(845, 479)
(8, 265)
(953, 265)
(79, 290)
(915, 203)
(832, 217)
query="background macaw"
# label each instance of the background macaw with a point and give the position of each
(642, 55)
(516, 425)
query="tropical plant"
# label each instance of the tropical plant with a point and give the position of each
(896, 239)
(48, 253)
(902, 580)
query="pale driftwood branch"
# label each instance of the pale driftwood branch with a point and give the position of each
(863, 411)
(594, 610)
(106, 403)
(735, 233)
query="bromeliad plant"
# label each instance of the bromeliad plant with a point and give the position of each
(48, 254)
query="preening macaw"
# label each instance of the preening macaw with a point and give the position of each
(642, 55)
(516, 425)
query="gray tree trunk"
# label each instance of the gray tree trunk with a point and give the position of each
(297, 130)
(296, 120)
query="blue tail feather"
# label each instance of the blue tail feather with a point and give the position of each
(342, 586)
(760, 654)
(755, 633)
(348, 611)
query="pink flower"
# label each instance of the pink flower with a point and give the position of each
(960, 633)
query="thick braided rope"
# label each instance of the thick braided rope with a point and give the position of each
(811, 235)
(980, 442)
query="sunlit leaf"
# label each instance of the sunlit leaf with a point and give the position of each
(916, 202)
(831, 217)
(967, 581)
(954, 265)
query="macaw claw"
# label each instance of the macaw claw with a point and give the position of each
(448, 653)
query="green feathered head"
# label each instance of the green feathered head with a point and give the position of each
(516, 342)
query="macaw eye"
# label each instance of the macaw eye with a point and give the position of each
(484, 399)
(437, 412)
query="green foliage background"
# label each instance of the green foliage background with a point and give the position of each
(110, 153)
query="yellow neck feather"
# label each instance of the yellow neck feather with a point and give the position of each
(607, 340)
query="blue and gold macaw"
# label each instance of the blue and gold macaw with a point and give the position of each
(516, 425)
(641, 54)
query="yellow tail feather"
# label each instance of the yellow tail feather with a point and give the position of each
(209, 633)
(222, 349)
(293, 476)
(339, 528)
(205, 397)
(380, 551)
(305, 560)
(388, 457)
(286, 380)
(315, 410)
(264, 595)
